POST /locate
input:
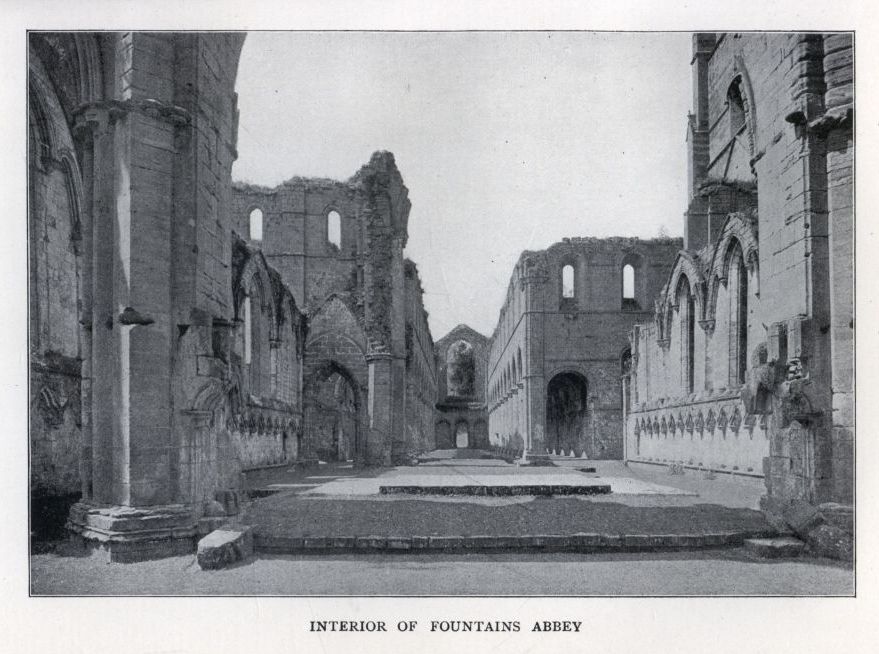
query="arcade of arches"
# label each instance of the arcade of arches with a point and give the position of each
(192, 328)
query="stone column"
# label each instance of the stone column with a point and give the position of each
(838, 60)
(378, 443)
(535, 382)
(141, 197)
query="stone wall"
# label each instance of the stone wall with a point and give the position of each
(367, 322)
(421, 373)
(543, 333)
(462, 361)
(759, 305)
(132, 141)
(55, 234)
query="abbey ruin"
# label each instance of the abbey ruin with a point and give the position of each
(185, 328)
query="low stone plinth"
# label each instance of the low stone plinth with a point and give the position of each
(127, 534)
(498, 491)
(224, 547)
(578, 542)
(775, 548)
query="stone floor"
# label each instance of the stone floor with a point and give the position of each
(337, 500)
(728, 572)
(642, 485)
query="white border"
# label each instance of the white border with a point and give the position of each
(136, 626)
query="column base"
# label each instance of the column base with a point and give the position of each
(127, 534)
(532, 458)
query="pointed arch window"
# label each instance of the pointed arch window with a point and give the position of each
(737, 276)
(519, 359)
(248, 331)
(686, 312)
(568, 289)
(256, 224)
(334, 228)
(628, 282)
(736, 104)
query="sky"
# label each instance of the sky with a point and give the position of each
(507, 141)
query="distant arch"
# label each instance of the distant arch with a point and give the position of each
(462, 434)
(566, 411)
(443, 435)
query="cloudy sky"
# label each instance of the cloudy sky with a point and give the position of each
(506, 140)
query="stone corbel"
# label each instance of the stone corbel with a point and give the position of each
(838, 118)
(101, 113)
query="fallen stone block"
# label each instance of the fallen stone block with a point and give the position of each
(802, 516)
(224, 547)
(208, 524)
(775, 548)
(832, 542)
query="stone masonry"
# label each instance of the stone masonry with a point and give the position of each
(747, 367)
(461, 412)
(368, 336)
(556, 356)
(170, 349)
(184, 328)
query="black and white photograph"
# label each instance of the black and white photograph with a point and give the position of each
(461, 312)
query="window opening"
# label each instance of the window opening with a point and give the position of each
(334, 228)
(568, 281)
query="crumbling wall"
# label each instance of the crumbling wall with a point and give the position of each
(542, 334)
(56, 250)
(421, 382)
(459, 403)
(366, 274)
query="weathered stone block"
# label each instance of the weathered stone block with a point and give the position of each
(208, 524)
(224, 547)
(774, 548)
(832, 542)
(802, 516)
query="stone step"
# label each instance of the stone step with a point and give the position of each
(224, 547)
(579, 542)
(498, 490)
(775, 548)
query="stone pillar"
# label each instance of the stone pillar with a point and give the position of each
(535, 382)
(838, 66)
(149, 262)
(129, 507)
(379, 407)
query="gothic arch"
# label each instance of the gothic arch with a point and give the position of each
(743, 79)
(685, 268)
(739, 229)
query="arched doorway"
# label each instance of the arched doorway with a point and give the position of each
(462, 434)
(444, 435)
(332, 410)
(480, 434)
(566, 413)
